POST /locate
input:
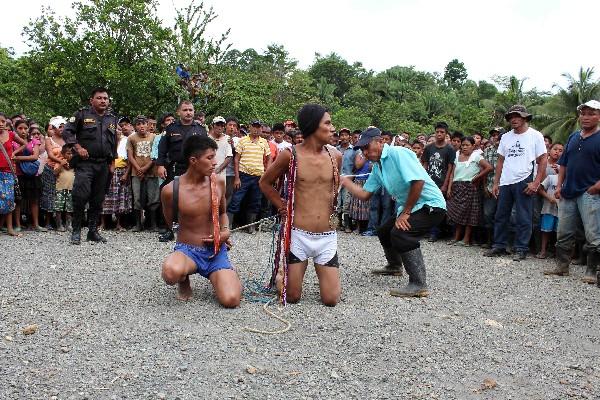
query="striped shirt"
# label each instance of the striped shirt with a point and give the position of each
(252, 155)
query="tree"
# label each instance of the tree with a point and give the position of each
(334, 70)
(558, 117)
(119, 44)
(455, 74)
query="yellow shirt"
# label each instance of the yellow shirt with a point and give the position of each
(120, 163)
(251, 155)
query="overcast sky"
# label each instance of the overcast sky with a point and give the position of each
(537, 39)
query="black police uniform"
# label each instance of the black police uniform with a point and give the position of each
(170, 155)
(98, 135)
(170, 148)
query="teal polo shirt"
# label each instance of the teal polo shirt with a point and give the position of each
(395, 171)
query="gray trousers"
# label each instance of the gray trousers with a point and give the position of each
(146, 193)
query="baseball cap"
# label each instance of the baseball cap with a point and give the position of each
(366, 137)
(593, 104)
(218, 119)
(140, 119)
(256, 122)
(124, 119)
(344, 130)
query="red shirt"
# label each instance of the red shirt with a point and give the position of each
(8, 146)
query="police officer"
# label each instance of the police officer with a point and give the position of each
(93, 133)
(170, 156)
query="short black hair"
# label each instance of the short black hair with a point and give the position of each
(441, 125)
(354, 132)
(469, 139)
(417, 143)
(232, 118)
(278, 127)
(66, 147)
(99, 89)
(458, 135)
(386, 133)
(164, 116)
(549, 138)
(196, 145)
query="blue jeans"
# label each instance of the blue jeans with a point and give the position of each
(250, 187)
(513, 195)
(570, 213)
(381, 200)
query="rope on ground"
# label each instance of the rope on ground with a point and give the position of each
(287, 323)
(259, 222)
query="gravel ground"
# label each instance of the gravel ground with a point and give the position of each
(108, 328)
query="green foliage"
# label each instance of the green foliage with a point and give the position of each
(455, 74)
(122, 44)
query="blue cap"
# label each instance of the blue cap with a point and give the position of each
(366, 137)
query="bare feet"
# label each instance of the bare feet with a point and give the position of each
(119, 228)
(541, 255)
(184, 290)
(15, 234)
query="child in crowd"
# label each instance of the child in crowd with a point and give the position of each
(144, 177)
(65, 176)
(418, 147)
(549, 218)
(464, 201)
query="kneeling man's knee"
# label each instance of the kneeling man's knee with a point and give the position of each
(230, 300)
(331, 299)
(172, 273)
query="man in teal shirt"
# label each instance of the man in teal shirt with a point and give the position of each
(420, 205)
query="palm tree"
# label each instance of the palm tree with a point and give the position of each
(559, 115)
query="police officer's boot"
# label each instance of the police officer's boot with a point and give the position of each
(93, 235)
(415, 267)
(251, 220)
(394, 264)
(562, 264)
(138, 221)
(593, 259)
(76, 223)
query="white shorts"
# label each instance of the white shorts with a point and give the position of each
(321, 247)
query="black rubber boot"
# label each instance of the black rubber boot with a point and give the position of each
(138, 222)
(394, 264)
(581, 254)
(593, 259)
(562, 264)
(153, 225)
(167, 236)
(251, 219)
(347, 223)
(93, 235)
(415, 267)
(76, 234)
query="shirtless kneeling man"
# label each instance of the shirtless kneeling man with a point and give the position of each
(195, 196)
(315, 193)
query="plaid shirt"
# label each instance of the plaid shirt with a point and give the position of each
(491, 155)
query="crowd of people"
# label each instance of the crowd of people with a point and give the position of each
(511, 192)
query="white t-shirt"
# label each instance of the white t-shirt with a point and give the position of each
(223, 152)
(519, 152)
(282, 146)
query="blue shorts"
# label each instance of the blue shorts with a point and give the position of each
(548, 223)
(203, 257)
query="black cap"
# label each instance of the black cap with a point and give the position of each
(140, 119)
(256, 122)
(124, 119)
(366, 137)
